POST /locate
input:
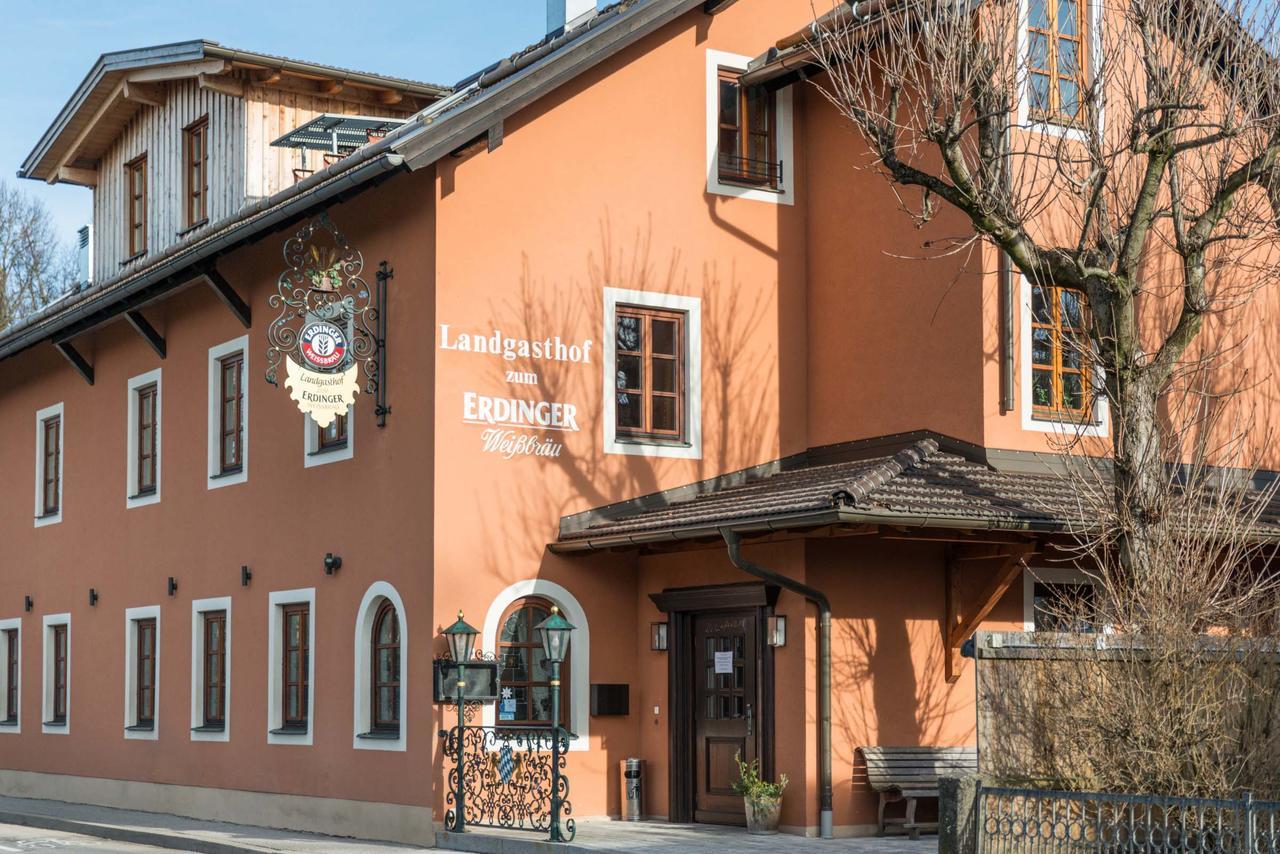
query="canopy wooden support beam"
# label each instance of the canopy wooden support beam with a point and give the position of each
(332, 87)
(148, 332)
(964, 614)
(229, 297)
(82, 366)
(180, 71)
(225, 85)
(151, 94)
(74, 175)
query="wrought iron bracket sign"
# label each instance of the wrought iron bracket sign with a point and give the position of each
(328, 324)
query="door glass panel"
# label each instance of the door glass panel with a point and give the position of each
(664, 413)
(628, 333)
(664, 375)
(664, 337)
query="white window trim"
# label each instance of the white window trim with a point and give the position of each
(131, 497)
(1024, 64)
(5, 625)
(363, 720)
(312, 454)
(216, 353)
(784, 195)
(691, 449)
(276, 600)
(41, 416)
(1045, 575)
(131, 617)
(579, 651)
(46, 701)
(198, 608)
(1098, 427)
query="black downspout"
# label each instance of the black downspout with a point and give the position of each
(818, 598)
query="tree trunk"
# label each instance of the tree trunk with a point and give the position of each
(1139, 475)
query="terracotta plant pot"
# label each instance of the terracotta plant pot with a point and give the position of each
(763, 815)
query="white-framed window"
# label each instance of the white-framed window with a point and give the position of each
(331, 444)
(291, 666)
(579, 701)
(381, 671)
(11, 675)
(1035, 418)
(632, 394)
(142, 673)
(50, 452)
(229, 413)
(142, 460)
(1038, 25)
(765, 171)
(1045, 589)
(211, 669)
(55, 702)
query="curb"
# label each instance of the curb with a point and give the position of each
(172, 842)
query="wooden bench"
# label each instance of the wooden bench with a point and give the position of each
(911, 773)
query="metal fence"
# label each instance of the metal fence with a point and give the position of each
(1029, 821)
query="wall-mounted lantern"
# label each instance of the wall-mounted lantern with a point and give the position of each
(658, 637)
(27, 604)
(332, 563)
(93, 597)
(246, 575)
(173, 585)
(776, 630)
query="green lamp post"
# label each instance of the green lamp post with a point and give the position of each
(554, 633)
(462, 643)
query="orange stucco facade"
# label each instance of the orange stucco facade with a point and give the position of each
(816, 330)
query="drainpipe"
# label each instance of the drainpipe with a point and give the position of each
(1007, 400)
(818, 598)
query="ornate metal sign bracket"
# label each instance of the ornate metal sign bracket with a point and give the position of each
(384, 275)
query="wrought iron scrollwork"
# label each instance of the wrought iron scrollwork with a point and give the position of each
(323, 279)
(509, 776)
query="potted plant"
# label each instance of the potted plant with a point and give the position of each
(763, 799)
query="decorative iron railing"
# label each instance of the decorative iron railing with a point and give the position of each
(508, 777)
(744, 170)
(1023, 821)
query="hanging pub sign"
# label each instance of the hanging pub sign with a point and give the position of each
(327, 327)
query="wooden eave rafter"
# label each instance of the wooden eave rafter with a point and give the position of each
(150, 94)
(72, 153)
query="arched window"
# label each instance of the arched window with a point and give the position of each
(385, 648)
(523, 672)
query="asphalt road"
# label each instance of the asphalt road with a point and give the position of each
(14, 837)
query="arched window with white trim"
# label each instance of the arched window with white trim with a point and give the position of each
(523, 671)
(381, 652)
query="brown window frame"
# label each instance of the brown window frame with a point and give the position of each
(60, 655)
(144, 673)
(1052, 70)
(646, 431)
(148, 446)
(214, 667)
(135, 199)
(738, 166)
(334, 437)
(235, 463)
(51, 471)
(531, 644)
(1059, 349)
(11, 676)
(195, 169)
(387, 611)
(302, 683)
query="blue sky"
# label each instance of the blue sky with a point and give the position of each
(49, 45)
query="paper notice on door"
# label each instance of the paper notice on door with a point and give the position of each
(724, 662)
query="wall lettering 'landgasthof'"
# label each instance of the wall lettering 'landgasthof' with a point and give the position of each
(550, 349)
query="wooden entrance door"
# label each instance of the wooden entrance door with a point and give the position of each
(725, 710)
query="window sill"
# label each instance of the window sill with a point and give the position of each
(209, 728)
(8, 723)
(150, 493)
(380, 735)
(331, 449)
(730, 181)
(228, 473)
(141, 728)
(126, 262)
(201, 224)
(290, 730)
(62, 724)
(655, 441)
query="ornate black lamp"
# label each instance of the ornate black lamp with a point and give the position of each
(462, 643)
(554, 633)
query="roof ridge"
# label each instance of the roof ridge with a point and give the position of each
(869, 481)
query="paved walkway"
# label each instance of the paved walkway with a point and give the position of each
(174, 832)
(652, 837)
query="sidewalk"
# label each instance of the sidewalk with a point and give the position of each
(178, 833)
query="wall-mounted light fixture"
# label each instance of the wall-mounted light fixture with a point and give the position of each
(173, 585)
(246, 575)
(658, 637)
(332, 563)
(93, 597)
(776, 630)
(27, 604)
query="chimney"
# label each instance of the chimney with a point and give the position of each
(84, 253)
(564, 14)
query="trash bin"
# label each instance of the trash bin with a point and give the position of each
(632, 786)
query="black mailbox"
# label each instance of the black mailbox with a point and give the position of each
(610, 700)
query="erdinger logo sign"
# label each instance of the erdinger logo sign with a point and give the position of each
(323, 345)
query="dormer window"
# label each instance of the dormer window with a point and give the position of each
(195, 156)
(136, 199)
(748, 150)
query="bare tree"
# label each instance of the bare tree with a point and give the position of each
(35, 267)
(1140, 170)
